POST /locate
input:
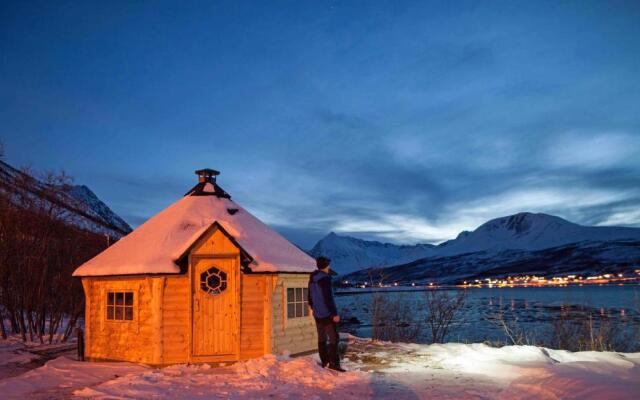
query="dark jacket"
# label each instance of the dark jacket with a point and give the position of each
(321, 295)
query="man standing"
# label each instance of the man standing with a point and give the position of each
(325, 313)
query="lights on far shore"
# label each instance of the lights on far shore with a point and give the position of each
(513, 281)
(533, 280)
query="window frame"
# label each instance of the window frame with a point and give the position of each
(299, 303)
(112, 306)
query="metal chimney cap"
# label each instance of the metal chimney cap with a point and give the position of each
(207, 172)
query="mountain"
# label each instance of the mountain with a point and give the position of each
(93, 203)
(495, 243)
(585, 258)
(81, 207)
(528, 231)
(349, 254)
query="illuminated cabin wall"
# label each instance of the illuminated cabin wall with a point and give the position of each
(119, 340)
(297, 335)
(161, 332)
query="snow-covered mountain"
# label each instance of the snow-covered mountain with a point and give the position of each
(584, 258)
(528, 231)
(82, 208)
(521, 234)
(93, 203)
(349, 254)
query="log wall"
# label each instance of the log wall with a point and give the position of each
(295, 335)
(120, 340)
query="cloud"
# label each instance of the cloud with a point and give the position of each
(592, 151)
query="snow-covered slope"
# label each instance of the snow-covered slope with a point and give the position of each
(86, 196)
(349, 254)
(82, 208)
(528, 231)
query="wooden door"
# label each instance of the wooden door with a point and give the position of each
(215, 306)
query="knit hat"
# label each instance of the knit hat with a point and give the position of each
(322, 262)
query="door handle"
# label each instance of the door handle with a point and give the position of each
(197, 305)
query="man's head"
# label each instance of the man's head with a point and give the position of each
(323, 263)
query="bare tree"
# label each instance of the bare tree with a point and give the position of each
(442, 307)
(377, 276)
(39, 251)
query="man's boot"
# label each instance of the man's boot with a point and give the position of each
(334, 357)
(323, 352)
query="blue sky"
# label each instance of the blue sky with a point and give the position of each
(398, 121)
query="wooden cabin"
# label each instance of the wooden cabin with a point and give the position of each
(201, 281)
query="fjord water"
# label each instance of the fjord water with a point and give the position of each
(531, 309)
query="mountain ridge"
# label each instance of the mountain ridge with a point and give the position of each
(82, 207)
(525, 232)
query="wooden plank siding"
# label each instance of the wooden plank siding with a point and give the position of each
(254, 301)
(176, 323)
(120, 340)
(295, 335)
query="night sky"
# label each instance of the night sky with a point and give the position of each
(397, 121)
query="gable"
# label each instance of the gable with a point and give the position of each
(214, 242)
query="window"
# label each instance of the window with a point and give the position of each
(213, 281)
(297, 304)
(120, 306)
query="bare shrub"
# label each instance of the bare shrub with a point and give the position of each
(584, 332)
(514, 332)
(394, 319)
(573, 330)
(442, 306)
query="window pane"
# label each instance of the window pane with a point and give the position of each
(298, 294)
(306, 309)
(291, 310)
(119, 298)
(110, 297)
(290, 296)
(119, 313)
(305, 294)
(128, 313)
(298, 309)
(109, 312)
(128, 298)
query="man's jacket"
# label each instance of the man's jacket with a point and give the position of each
(321, 295)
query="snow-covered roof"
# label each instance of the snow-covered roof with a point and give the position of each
(155, 246)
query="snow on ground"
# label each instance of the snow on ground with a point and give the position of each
(58, 378)
(477, 371)
(14, 351)
(377, 370)
(17, 357)
(267, 377)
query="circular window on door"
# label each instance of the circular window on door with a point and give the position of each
(213, 281)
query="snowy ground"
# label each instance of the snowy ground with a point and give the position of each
(377, 370)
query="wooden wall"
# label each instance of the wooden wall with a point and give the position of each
(119, 340)
(297, 335)
(176, 319)
(255, 323)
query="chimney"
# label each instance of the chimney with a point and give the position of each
(207, 185)
(207, 175)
